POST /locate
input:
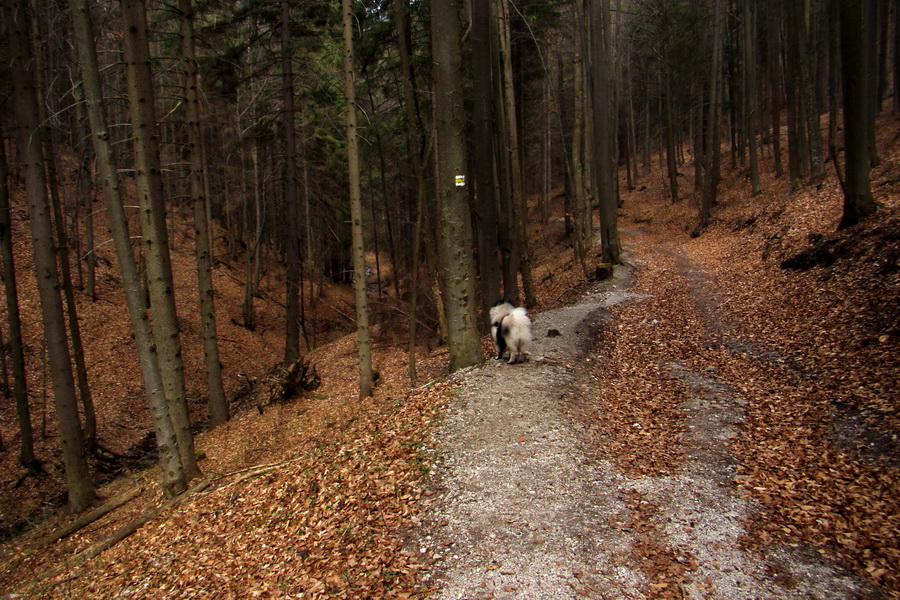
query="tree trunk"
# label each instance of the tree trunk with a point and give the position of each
(80, 487)
(604, 131)
(858, 200)
(170, 459)
(808, 58)
(870, 91)
(366, 380)
(292, 250)
(62, 247)
(582, 208)
(519, 204)
(773, 45)
(416, 170)
(85, 188)
(711, 158)
(17, 349)
(750, 120)
(669, 124)
(483, 159)
(153, 227)
(218, 404)
(456, 243)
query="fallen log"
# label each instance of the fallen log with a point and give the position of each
(120, 534)
(90, 517)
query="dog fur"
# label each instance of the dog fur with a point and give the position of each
(511, 330)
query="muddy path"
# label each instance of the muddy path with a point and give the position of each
(523, 502)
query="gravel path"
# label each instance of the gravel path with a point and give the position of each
(519, 507)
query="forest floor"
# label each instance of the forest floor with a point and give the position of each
(718, 421)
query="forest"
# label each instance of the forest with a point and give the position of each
(248, 247)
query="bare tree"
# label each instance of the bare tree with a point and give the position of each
(153, 226)
(858, 200)
(80, 486)
(170, 459)
(218, 404)
(510, 123)
(20, 386)
(711, 158)
(62, 247)
(366, 382)
(292, 243)
(750, 116)
(483, 159)
(414, 160)
(604, 127)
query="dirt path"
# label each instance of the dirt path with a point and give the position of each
(520, 506)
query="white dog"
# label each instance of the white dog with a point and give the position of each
(511, 330)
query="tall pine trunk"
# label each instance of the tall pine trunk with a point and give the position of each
(218, 404)
(456, 239)
(483, 159)
(17, 349)
(153, 227)
(604, 128)
(292, 248)
(366, 381)
(62, 247)
(751, 117)
(519, 204)
(858, 200)
(170, 459)
(713, 150)
(80, 487)
(416, 170)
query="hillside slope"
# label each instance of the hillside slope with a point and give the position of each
(316, 496)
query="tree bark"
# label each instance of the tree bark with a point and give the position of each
(483, 159)
(604, 131)
(519, 204)
(20, 385)
(62, 247)
(413, 134)
(750, 92)
(669, 124)
(81, 492)
(583, 215)
(292, 250)
(173, 475)
(858, 200)
(773, 45)
(456, 240)
(366, 380)
(218, 404)
(153, 227)
(711, 157)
